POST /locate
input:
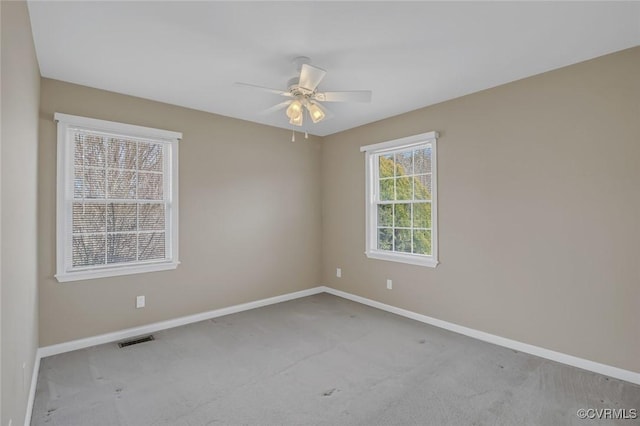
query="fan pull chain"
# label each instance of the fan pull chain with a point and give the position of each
(306, 135)
(293, 135)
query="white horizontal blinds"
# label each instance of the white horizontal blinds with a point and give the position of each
(119, 203)
(403, 200)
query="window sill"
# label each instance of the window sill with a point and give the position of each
(115, 271)
(411, 259)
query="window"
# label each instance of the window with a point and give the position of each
(401, 200)
(117, 201)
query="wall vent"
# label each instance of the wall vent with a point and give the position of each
(135, 341)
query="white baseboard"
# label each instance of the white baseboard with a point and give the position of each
(585, 364)
(163, 325)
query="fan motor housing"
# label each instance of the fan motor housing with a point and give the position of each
(294, 88)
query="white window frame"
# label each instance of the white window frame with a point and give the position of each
(371, 169)
(65, 175)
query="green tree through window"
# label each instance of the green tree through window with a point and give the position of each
(404, 205)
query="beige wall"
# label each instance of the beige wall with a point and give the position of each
(539, 211)
(250, 223)
(20, 98)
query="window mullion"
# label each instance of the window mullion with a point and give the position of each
(167, 198)
(137, 167)
(70, 142)
(411, 226)
(106, 203)
(395, 200)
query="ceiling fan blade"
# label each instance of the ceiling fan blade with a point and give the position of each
(310, 77)
(265, 89)
(350, 96)
(275, 108)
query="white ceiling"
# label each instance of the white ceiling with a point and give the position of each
(410, 54)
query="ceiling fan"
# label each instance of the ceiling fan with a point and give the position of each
(304, 97)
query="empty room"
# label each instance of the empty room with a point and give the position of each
(319, 213)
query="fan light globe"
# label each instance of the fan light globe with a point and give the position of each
(296, 120)
(294, 110)
(315, 112)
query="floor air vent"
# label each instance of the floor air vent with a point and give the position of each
(136, 341)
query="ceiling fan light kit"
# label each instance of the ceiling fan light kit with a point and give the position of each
(305, 98)
(294, 111)
(316, 113)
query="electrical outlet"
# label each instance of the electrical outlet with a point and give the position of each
(140, 302)
(338, 272)
(389, 284)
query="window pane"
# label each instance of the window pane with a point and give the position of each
(385, 215)
(151, 217)
(122, 154)
(422, 185)
(122, 184)
(385, 166)
(422, 215)
(78, 153)
(404, 163)
(151, 246)
(385, 239)
(422, 242)
(121, 248)
(423, 160)
(78, 182)
(386, 189)
(403, 240)
(402, 215)
(88, 218)
(93, 150)
(94, 183)
(150, 156)
(121, 217)
(88, 250)
(404, 188)
(150, 186)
